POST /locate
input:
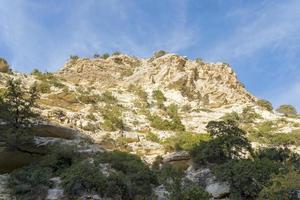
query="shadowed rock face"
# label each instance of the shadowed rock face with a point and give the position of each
(213, 84)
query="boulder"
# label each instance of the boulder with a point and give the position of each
(205, 179)
(176, 156)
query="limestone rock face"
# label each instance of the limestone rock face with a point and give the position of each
(213, 84)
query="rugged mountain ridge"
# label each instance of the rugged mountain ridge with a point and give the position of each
(157, 108)
(211, 84)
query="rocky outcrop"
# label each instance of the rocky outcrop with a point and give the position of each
(212, 84)
(207, 180)
(176, 156)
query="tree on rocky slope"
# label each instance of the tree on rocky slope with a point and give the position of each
(17, 104)
(228, 142)
(287, 110)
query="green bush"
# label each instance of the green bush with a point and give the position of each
(233, 116)
(105, 56)
(83, 177)
(112, 118)
(184, 141)
(246, 177)
(139, 177)
(152, 137)
(108, 98)
(192, 193)
(160, 53)
(249, 115)
(88, 99)
(31, 182)
(159, 97)
(287, 110)
(47, 80)
(60, 159)
(163, 124)
(265, 104)
(274, 154)
(44, 87)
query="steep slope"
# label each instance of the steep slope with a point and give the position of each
(144, 106)
(212, 84)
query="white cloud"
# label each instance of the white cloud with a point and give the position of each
(273, 25)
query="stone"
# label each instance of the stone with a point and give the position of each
(176, 156)
(205, 179)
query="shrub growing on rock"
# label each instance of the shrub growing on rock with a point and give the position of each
(265, 104)
(104, 56)
(159, 97)
(31, 182)
(160, 53)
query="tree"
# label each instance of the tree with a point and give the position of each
(287, 110)
(18, 104)
(228, 142)
(246, 177)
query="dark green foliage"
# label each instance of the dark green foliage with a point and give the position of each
(30, 182)
(18, 103)
(265, 104)
(275, 154)
(139, 177)
(83, 177)
(287, 110)
(61, 158)
(228, 142)
(74, 57)
(246, 177)
(192, 193)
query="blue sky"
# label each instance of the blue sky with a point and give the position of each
(259, 39)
